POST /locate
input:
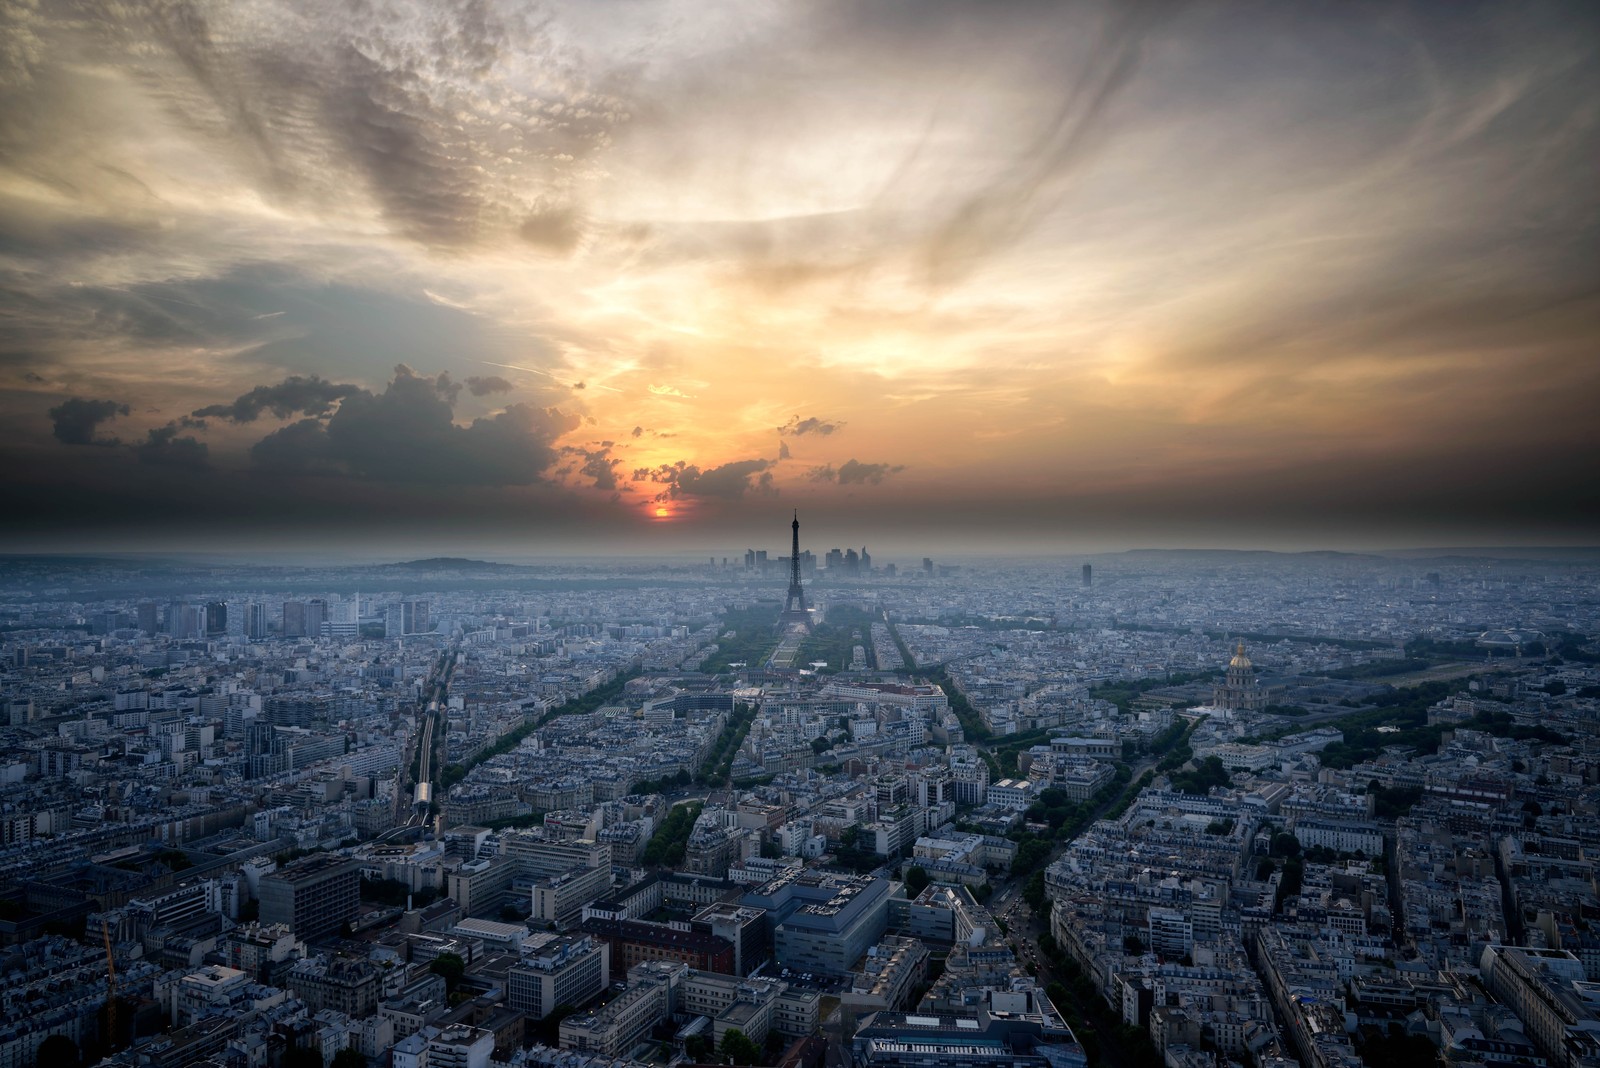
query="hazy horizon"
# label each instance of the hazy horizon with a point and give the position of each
(906, 555)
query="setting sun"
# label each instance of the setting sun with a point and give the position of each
(663, 513)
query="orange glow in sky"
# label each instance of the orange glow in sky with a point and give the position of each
(1078, 265)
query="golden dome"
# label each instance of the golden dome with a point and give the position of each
(1239, 659)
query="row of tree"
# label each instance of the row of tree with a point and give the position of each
(581, 705)
(671, 839)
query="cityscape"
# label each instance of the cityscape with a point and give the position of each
(819, 808)
(799, 534)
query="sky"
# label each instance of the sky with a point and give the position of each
(635, 274)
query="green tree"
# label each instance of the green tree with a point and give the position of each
(57, 1051)
(548, 1030)
(348, 1058)
(917, 880)
(301, 1057)
(698, 1047)
(738, 1049)
(820, 745)
(1033, 892)
(450, 967)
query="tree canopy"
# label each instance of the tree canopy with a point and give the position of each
(738, 1049)
(450, 967)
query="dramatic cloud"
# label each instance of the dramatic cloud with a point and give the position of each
(1074, 258)
(602, 469)
(485, 385)
(798, 426)
(406, 434)
(163, 447)
(854, 471)
(293, 396)
(78, 419)
(729, 482)
(411, 104)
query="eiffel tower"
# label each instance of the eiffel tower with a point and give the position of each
(794, 606)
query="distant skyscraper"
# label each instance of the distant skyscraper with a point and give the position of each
(866, 561)
(255, 620)
(1088, 574)
(186, 620)
(149, 617)
(316, 616)
(414, 615)
(216, 618)
(294, 619)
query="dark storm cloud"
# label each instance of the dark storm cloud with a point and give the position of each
(77, 420)
(599, 466)
(484, 385)
(407, 434)
(295, 395)
(856, 472)
(811, 425)
(729, 482)
(280, 316)
(853, 472)
(298, 449)
(163, 447)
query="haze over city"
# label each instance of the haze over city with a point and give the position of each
(647, 277)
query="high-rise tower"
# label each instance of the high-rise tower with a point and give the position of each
(794, 606)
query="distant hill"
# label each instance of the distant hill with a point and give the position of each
(1565, 554)
(446, 563)
(1236, 555)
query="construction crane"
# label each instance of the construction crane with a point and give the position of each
(111, 988)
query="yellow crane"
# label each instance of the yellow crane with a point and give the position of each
(111, 988)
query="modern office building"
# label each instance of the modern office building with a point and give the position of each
(460, 1046)
(559, 899)
(620, 1024)
(567, 971)
(745, 929)
(312, 897)
(824, 921)
(978, 1040)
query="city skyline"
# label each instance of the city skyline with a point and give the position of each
(1002, 277)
